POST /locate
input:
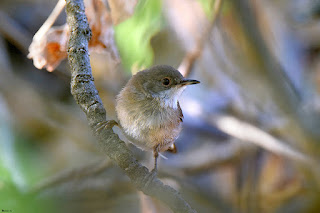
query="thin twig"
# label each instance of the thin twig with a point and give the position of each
(86, 95)
(50, 20)
(14, 32)
(249, 133)
(71, 175)
(216, 156)
(187, 63)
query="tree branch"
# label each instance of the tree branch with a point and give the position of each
(86, 95)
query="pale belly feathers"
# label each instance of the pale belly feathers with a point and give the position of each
(149, 125)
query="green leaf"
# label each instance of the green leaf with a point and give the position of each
(207, 6)
(5, 175)
(133, 36)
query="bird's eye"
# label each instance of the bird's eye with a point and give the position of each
(166, 81)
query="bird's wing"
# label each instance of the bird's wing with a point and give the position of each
(180, 112)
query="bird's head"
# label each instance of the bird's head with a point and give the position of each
(161, 82)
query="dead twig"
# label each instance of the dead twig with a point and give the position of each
(50, 20)
(71, 175)
(249, 133)
(190, 58)
(216, 156)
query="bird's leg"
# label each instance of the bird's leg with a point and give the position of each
(105, 124)
(155, 155)
(153, 174)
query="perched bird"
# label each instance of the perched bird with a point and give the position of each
(148, 109)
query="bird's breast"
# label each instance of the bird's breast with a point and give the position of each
(147, 124)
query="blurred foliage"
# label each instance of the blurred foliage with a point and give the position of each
(17, 173)
(5, 175)
(13, 200)
(133, 35)
(46, 133)
(207, 6)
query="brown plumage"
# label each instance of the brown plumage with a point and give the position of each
(148, 109)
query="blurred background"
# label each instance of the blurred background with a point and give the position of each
(251, 133)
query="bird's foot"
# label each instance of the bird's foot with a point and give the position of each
(150, 177)
(154, 172)
(155, 155)
(105, 125)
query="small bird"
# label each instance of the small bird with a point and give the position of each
(148, 109)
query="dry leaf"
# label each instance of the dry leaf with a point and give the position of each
(50, 49)
(121, 10)
(100, 22)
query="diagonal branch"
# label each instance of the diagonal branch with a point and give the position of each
(86, 95)
(188, 61)
(68, 175)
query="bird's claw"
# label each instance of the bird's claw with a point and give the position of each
(150, 177)
(105, 125)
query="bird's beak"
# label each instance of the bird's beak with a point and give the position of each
(188, 82)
